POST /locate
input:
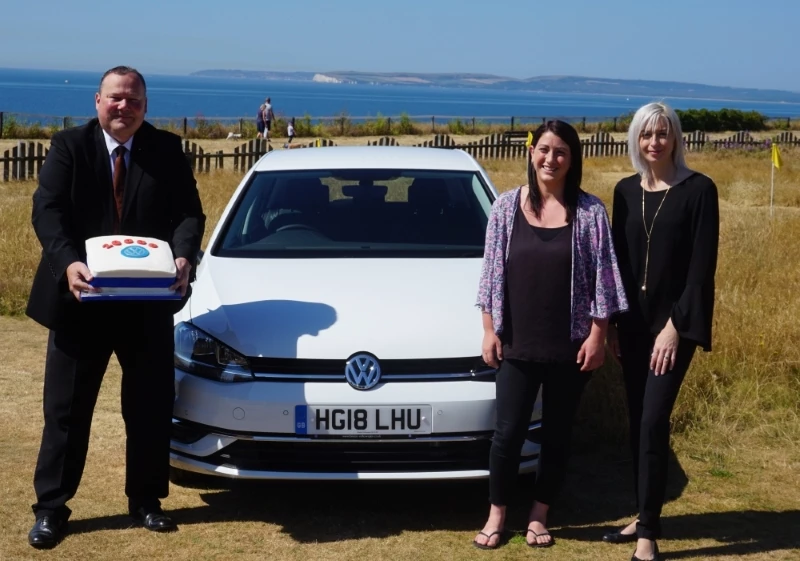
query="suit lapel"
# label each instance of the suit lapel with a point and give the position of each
(134, 175)
(98, 156)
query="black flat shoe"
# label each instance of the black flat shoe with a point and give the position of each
(47, 531)
(619, 537)
(154, 519)
(656, 556)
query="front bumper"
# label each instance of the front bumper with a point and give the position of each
(246, 430)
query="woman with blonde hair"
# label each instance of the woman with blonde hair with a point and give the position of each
(666, 233)
(548, 287)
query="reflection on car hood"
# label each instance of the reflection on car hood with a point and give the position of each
(332, 308)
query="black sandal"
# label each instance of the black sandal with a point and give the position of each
(537, 544)
(488, 538)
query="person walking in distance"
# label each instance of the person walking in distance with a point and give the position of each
(269, 116)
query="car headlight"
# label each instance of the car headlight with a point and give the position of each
(199, 353)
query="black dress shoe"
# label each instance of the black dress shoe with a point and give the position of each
(619, 537)
(154, 519)
(47, 531)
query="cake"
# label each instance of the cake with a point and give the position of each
(130, 268)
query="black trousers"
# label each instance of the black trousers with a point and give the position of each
(518, 385)
(650, 402)
(141, 336)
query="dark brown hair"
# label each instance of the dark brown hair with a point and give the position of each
(123, 71)
(572, 182)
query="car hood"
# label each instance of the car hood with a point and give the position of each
(333, 308)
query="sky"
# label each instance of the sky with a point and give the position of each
(718, 42)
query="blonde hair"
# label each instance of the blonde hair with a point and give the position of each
(646, 119)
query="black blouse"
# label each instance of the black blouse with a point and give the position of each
(538, 302)
(683, 255)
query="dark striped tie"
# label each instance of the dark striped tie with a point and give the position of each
(119, 184)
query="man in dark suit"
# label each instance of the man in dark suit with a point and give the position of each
(115, 175)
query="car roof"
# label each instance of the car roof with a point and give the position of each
(367, 157)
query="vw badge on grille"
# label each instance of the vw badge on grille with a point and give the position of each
(362, 371)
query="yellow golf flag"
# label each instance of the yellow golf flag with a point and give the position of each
(776, 156)
(529, 142)
(318, 143)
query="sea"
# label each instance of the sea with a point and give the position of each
(42, 95)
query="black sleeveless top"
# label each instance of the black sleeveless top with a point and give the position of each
(538, 299)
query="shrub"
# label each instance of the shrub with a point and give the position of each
(406, 125)
(722, 120)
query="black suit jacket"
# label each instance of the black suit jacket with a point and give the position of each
(74, 202)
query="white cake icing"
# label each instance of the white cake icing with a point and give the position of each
(130, 257)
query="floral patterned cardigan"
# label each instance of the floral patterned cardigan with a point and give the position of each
(597, 291)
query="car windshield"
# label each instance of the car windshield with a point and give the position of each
(359, 212)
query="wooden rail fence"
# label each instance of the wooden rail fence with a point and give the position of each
(25, 160)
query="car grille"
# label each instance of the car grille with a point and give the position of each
(397, 370)
(353, 456)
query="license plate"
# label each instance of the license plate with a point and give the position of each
(359, 420)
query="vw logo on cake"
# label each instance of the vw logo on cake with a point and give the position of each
(135, 252)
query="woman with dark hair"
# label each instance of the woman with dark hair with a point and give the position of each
(666, 228)
(548, 287)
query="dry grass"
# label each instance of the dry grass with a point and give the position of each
(731, 500)
(736, 444)
(278, 138)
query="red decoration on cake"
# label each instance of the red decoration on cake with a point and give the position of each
(141, 242)
(128, 241)
(153, 245)
(116, 242)
(107, 246)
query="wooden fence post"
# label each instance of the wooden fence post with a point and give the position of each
(388, 125)
(615, 124)
(64, 123)
(241, 126)
(39, 157)
(1, 124)
(583, 124)
(31, 160)
(512, 123)
(433, 123)
(21, 169)
(473, 125)
(185, 127)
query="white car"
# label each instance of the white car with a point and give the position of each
(332, 332)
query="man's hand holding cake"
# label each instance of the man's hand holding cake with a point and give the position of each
(182, 280)
(78, 279)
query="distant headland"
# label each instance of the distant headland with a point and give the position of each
(547, 84)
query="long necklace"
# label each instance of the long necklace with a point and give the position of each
(648, 233)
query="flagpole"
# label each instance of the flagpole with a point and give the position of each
(772, 190)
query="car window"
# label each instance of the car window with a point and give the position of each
(358, 212)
